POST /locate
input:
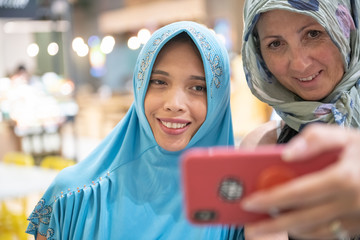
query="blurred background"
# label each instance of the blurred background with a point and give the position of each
(66, 80)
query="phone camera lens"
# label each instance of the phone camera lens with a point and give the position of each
(204, 215)
(231, 189)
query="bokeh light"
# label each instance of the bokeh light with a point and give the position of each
(107, 44)
(32, 50)
(134, 43)
(143, 35)
(80, 47)
(53, 48)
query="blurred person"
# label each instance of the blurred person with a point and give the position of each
(129, 186)
(28, 106)
(302, 58)
(21, 75)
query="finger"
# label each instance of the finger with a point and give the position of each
(341, 228)
(302, 191)
(300, 220)
(314, 139)
(323, 232)
(274, 236)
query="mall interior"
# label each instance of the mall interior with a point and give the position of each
(66, 81)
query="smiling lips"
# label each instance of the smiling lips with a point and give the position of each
(309, 78)
(174, 127)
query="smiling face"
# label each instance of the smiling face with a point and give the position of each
(175, 102)
(299, 53)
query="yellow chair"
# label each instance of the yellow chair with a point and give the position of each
(56, 162)
(12, 223)
(19, 158)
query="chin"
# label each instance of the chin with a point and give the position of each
(313, 98)
(317, 96)
(174, 147)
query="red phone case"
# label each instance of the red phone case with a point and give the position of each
(216, 179)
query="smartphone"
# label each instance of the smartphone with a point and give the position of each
(215, 180)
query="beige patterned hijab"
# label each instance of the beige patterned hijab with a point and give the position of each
(340, 18)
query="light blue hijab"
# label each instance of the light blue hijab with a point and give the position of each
(129, 187)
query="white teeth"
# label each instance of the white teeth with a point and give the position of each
(173, 125)
(309, 78)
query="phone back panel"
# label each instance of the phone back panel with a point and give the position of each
(215, 180)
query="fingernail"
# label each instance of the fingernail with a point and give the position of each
(287, 154)
(294, 147)
(250, 231)
(250, 205)
(253, 232)
(247, 205)
(274, 212)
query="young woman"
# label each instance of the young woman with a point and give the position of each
(129, 186)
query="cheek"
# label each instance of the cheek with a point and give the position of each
(269, 60)
(199, 109)
(276, 65)
(335, 65)
(149, 104)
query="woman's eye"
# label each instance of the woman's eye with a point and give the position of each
(199, 88)
(313, 33)
(157, 82)
(274, 44)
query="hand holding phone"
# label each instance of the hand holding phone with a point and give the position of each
(215, 180)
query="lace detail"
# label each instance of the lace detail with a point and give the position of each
(49, 234)
(41, 214)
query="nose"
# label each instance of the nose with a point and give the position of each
(299, 59)
(174, 100)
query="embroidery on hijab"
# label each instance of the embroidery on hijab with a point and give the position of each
(41, 214)
(214, 61)
(148, 57)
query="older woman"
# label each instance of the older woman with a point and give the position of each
(302, 58)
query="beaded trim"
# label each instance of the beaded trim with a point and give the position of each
(148, 57)
(214, 60)
(42, 212)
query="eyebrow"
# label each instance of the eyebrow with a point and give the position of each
(298, 31)
(160, 72)
(195, 77)
(306, 26)
(270, 36)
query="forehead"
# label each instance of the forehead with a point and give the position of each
(175, 49)
(277, 20)
(182, 41)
